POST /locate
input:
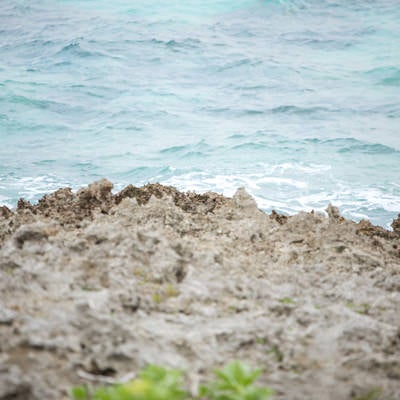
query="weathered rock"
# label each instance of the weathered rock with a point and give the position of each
(396, 225)
(13, 385)
(94, 286)
(5, 212)
(30, 233)
(6, 316)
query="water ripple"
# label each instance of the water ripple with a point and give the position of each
(297, 100)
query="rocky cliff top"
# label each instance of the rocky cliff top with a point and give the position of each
(96, 285)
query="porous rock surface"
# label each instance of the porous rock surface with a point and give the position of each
(94, 286)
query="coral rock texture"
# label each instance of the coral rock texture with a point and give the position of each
(96, 285)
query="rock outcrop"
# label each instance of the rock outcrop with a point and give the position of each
(95, 285)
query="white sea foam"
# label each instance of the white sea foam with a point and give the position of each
(228, 184)
(4, 201)
(32, 188)
(298, 196)
(378, 198)
(278, 193)
(311, 169)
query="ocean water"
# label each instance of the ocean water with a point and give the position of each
(296, 100)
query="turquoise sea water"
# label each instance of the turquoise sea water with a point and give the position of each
(298, 100)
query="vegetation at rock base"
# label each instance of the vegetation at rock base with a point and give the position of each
(234, 382)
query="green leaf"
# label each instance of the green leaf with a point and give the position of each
(235, 382)
(79, 393)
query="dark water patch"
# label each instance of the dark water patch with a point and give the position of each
(124, 126)
(76, 49)
(17, 105)
(291, 109)
(328, 44)
(217, 110)
(173, 150)
(45, 162)
(119, 156)
(94, 94)
(186, 43)
(251, 112)
(336, 141)
(386, 76)
(314, 40)
(393, 80)
(251, 146)
(369, 149)
(19, 129)
(351, 145)
(18, 83)
(391, 110)
(249, 88)
(237, 136)
(171, 44)
(244, 62)
(31, 102)
(194, 155)
(63, 64)
(192, 150)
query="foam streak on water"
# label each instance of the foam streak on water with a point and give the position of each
(297, 100)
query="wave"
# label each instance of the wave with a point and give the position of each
(386, 76)
(244, 62)
(75, 49)
(274, 147)
(173, 150)
(195, 151)
(291, 109)
(251, 146)
(369, 149)
(82, 49)
(352, 145)
(392, 80)
(34, 103)
(283, 109)
(188, 43)
(266, 140)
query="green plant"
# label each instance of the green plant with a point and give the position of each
(153, 383)
(363, 308)
(287, 300)
(235, 382)
(372, 394)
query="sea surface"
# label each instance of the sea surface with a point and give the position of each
(296, 100)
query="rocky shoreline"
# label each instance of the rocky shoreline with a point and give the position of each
(96, 285)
